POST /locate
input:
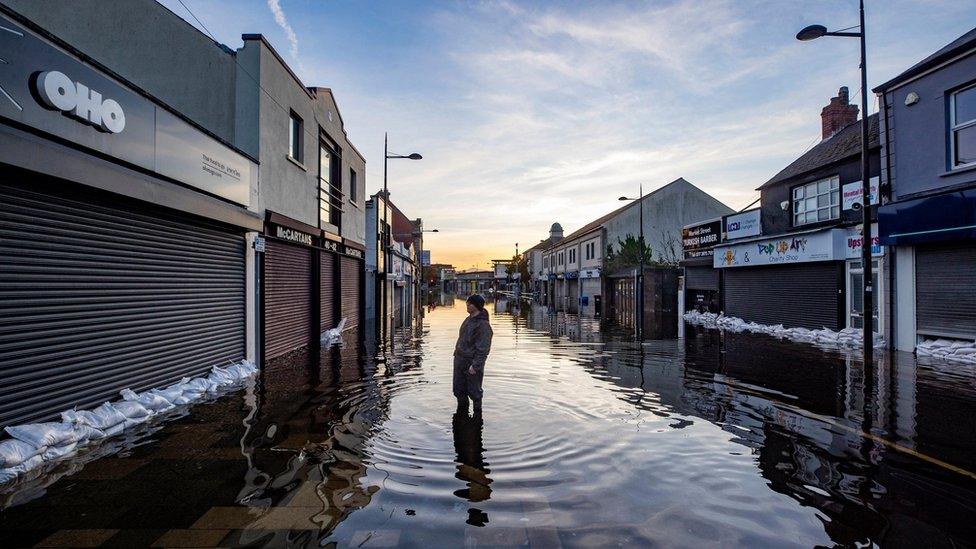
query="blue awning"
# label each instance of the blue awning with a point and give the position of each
(950, 216)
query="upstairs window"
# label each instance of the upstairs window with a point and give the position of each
(817, 201)
(962, 127)
(295, 137)
(353, 186)
(330, 196)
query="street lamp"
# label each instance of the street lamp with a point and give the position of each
(387, 254)
(640, 275)
(813, 32)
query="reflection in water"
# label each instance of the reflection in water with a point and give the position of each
(471, 465)
(592, 440)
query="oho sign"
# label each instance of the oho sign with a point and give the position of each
(57, 91)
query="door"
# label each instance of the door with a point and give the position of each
(945, 289)
(351, 274)
(287, 297)
(855, 295)
(99, 293)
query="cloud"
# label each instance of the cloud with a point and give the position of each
(282, 21)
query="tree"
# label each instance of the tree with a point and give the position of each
(628, 254)
(671, 249)
(519, 264)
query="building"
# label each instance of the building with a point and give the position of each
(474, 282)
(399, 285)
(928, 219)
(804, 269)
(542, 254)
(578, 260)
(535, 263)
(165, 215)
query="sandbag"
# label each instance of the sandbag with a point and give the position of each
(150, 400)
(132, 409)
(220, 377)
(41, 435)
(197, 386)
(14, 452)
(57, 452)
(10, 473)
(102, 418)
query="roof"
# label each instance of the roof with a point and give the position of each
(842, 145)
(592, 225)
(542, 245)
(950, 50)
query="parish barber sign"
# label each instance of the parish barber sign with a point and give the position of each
(698, 240)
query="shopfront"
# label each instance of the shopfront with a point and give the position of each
(702, 280)
(125, 236)
(799, 280)
(289, 285)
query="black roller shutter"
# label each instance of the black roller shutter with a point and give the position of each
(805, 295)
(945, 289)
(288, 297)
(701, 278)
(351, 270)
(98, 293)
(327, 291)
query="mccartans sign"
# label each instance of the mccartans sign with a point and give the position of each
(698, 240)
(293, 235)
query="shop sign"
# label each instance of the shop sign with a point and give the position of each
(572, 275)
(853, 241)
(742, 225)
(851, 194)
(50, 90)
(330, 245)
(801, 248)
(292, 235)
(697, 240)
(355, 252)
(590, 273)
(425, 258)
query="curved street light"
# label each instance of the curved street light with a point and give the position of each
(812, 32)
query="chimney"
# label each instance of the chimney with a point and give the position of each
(838, 114)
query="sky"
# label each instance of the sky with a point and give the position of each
(528, 113)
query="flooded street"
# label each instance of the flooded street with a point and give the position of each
(586, 439)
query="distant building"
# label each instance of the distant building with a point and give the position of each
(474, 282)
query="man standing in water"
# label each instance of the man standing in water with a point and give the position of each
(470, 353)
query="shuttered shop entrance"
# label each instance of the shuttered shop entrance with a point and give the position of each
(945, 289)
(701, 278)
(351, 272)
(287, 297)
(327, 290)
(99, 293)
(807, 295)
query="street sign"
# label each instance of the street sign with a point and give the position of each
(425, 258)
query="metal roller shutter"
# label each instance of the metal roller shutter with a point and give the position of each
(806, 295)
(701, 278)
(96, 298)
(288, 298)
(327, 291)
(945, 289)
(351, 268)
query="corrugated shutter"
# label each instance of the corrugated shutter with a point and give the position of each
(351, 269)
(945, 289)
(701, 278)
(96, 298)
(288, 298)
(327, 291)
(804, 295)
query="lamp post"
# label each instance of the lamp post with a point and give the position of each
(640, 274)
(813, 32)
(387, 253)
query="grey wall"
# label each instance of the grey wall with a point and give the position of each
(666, 211)
(162, 53)
(286, 187)
(776, 220)
(918, 133)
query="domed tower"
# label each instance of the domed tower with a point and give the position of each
(556, 232)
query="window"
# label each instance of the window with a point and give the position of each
(572, 256)
(330, 196)
(817, 201)
(295, 137)
(589, 251)
(353, 184)
(962, 127)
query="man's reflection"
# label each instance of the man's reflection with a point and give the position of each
(471, 465)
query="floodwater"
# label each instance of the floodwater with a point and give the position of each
(587, 439)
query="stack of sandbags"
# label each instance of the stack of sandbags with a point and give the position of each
(960, 350)
(848, 337)
(329, 338)
(33, 444)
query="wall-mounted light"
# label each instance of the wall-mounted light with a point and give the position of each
(911, 99)
(785, 205)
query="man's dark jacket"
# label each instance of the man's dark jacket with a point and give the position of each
(471, 351)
